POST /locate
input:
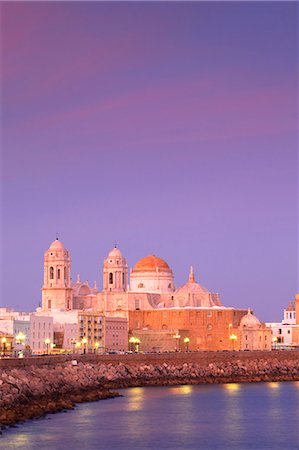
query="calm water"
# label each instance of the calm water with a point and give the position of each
(231, 416)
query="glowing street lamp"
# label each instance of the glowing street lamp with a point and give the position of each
(135, 342)
(20, 337)
(274, 342)
(177, 337)
(186, 342)
(47, 342)
(132, 342)
(233, 338)
(97, 344)
(84, 342)
(3, 340)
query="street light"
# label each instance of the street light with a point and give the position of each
(233, 338)
(132, 343)
(84, 342)
(229, 327)
(135, 342)
(97, 344)
(177, 337)
(274, 342)
(3, 340)
(20, 337)
(47, 342)
(186, 342)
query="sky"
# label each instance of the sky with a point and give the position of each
(169, 128)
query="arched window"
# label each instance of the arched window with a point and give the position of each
(49, 304)
(64, 273)
(110, 278)
(58, 274)
(169, 286)
(123, 279)
(51, 273)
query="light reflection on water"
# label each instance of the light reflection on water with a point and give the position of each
(256, 416)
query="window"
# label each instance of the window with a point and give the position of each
(123, 279)
(137, 304)
(58, 274)
(140, 285)
(110, 278)
(49, 304)
(64, 273)
(289, 331)
(169, 286)
(51, 273)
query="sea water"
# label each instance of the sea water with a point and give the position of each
(241, 416)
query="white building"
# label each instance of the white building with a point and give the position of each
(284, 333)
(41, 334)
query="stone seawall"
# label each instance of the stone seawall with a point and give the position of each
(30, 389)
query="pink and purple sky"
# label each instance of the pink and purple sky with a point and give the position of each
(170, 128)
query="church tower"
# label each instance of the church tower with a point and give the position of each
(57, 291)
(115, 272)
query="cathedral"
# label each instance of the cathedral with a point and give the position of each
(148, 286)
(158, 314)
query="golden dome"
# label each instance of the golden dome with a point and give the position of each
(151, 264)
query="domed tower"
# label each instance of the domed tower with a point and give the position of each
(57, 291)
(153, 275)
(115, 277)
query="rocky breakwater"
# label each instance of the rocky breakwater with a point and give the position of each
(27, 393)
(31, 391)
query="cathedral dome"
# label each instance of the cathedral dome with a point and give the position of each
(191, 286)
(56, 245)
(151, 264)
(115, 253)
(249, 321)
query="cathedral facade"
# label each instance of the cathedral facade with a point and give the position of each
(148, 286)
(160, 315)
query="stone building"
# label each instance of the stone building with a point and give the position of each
(254, 335)
(147, 298)
(206, 328)
(98, 333)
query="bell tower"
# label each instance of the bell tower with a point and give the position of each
(115, 272)
(57, 290)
